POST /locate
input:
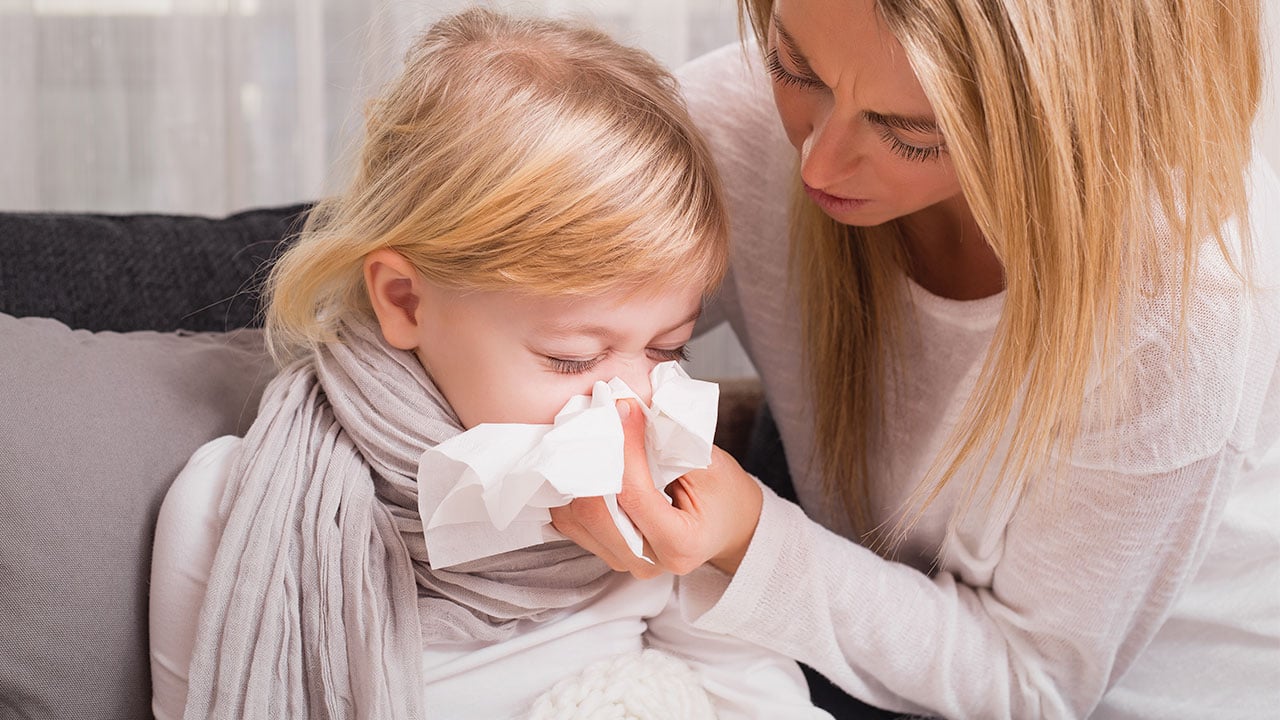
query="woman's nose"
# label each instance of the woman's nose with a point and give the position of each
(829, 154)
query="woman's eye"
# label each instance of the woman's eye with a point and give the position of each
(784, 76)
(565, 366)
(908, 151)
(668, 354)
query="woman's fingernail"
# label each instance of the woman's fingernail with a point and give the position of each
(624, 409)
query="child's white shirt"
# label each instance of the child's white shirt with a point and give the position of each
(473, 680)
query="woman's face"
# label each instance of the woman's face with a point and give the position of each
(870, 148)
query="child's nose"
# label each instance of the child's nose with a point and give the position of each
(636, 376)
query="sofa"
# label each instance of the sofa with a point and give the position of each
(126, 342)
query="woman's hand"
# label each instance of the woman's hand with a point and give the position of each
(711, 518)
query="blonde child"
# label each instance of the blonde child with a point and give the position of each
(533, 212)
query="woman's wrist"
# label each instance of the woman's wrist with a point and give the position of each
(731, 556)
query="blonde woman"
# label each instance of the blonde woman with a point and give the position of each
(533, 213)
(1008, 271)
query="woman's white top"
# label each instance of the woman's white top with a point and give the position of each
(1146, 585)
(471, 680)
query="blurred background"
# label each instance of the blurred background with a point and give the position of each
(214, 106)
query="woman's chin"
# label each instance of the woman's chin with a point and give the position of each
(867, 216)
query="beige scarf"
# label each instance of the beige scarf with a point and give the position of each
(322, 594)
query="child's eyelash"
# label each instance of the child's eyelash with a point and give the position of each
(680, 354)
(571, 367)
(784, 76)
(565, 366)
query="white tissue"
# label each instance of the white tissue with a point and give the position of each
(486, 491)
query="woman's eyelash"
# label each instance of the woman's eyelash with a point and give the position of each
(786, 77)
(908, 151)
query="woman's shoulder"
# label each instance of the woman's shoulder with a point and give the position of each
(1196, 365)
(730, 99)
(732, 72)
(1264, 221)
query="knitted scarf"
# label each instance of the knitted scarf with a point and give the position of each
(322, 594)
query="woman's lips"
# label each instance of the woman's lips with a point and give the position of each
(834, 204)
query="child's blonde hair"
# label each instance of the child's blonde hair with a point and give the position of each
(512, 154)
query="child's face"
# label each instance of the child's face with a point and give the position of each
(504, 357)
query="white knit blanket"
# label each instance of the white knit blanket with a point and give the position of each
(648, 685)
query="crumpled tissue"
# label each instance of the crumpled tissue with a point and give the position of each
(487, 491)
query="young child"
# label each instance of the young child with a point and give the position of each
(533, 213)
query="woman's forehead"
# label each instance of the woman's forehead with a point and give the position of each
(848, 46)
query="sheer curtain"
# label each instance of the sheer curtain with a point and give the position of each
(210, 106)
(214, 106)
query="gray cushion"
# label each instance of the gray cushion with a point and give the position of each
(93, 427)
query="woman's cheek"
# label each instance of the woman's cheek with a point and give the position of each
(796, 121)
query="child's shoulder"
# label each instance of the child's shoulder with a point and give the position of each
(190, 508)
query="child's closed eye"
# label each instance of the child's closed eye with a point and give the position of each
(568, 366)
(668, 354)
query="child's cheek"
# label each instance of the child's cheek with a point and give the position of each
(539, 400)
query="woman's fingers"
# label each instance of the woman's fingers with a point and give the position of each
(587, 522)
(657, 520)
(675, 532)
(563, 520)
(712, 514)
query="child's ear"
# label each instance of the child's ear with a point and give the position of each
(395, 292)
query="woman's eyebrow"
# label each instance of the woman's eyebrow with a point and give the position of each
(791, 48)
(911, 123)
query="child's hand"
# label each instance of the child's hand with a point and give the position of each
(712, 516)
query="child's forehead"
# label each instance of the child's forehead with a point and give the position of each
(602, 315)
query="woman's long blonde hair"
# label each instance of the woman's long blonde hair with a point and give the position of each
(1082, 133)
(516, 154)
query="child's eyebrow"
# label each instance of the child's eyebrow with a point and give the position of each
(560, 329)
(693, 317)
(572, 329)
